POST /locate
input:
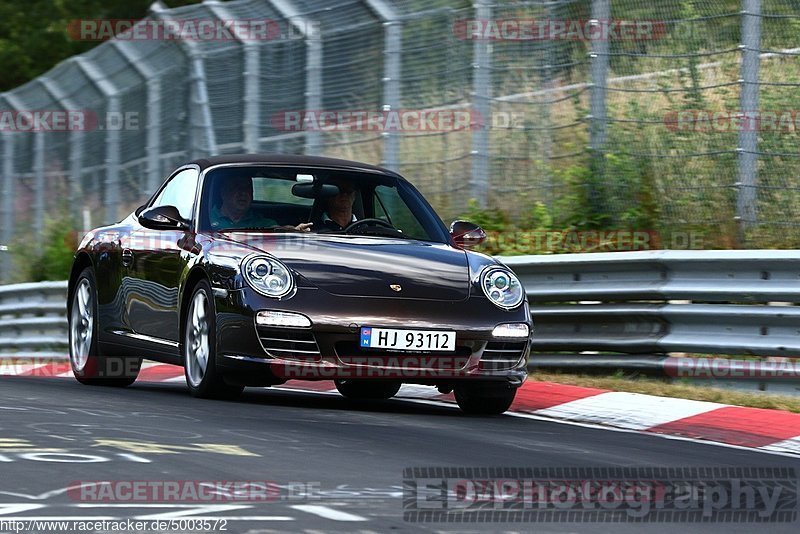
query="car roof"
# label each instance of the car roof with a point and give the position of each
(291, 160)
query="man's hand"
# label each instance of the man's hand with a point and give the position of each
(304, 227)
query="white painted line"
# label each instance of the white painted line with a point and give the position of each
(175, 380)
(328, 513)
(417, 391)
(15, 508)
(628, 410)
(65, 518)
(596, 426)
(791, 445)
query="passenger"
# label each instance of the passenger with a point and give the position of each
(338, 213)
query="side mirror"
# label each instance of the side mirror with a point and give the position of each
(467, 234)
(163, 218)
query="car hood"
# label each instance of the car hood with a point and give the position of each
(356, 266)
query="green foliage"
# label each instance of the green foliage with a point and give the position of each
(34, 34)
(48, 259)
(490, 219)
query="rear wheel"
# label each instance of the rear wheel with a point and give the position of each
(200, 349)
(484, 399)
(88, 365)
(368, 389)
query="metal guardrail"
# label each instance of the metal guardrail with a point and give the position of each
(625, 302)
(621, 302)
(33, 320)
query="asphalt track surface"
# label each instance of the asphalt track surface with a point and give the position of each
(348, 456)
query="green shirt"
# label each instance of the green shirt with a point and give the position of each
(249, 220)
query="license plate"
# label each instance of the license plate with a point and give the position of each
(421, 340)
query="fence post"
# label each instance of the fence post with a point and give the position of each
(313, 40)
(392, 66)
(601, 14)
(7, 206)
(204, 141)
(201, 124)
(746, 214)
(75, 147)
(313, 85)
(111, 94)
(252, 104)
(39, 183)
(481, 123)
(251, 51)
(153, 142)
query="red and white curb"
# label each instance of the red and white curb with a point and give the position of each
(774, 431)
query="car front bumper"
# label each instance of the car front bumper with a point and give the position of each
(329, 349)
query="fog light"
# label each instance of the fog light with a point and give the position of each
(511, 330)
(276, 318)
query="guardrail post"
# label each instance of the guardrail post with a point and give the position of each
(481, 106)
(746, 214)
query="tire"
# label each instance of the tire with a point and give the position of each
(88, 365)
(199, 348)
(476, 399)
(368, 389)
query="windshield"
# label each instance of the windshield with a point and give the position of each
(275, 199)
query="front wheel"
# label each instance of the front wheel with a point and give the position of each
(88, 365)
(367, 389)
(200, 349)
(480, 399)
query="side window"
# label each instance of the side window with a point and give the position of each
(390, 206)
(180, 192)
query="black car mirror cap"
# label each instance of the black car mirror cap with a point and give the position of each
(163, 218)
(467, 234)
(315, 190)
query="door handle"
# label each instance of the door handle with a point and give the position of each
(127, 257)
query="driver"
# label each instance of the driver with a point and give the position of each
(338, 212)
(236, 208)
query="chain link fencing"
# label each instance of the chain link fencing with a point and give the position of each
(662, 116)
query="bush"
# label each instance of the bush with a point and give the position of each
(49, 258)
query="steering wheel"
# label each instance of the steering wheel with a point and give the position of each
(366, 222)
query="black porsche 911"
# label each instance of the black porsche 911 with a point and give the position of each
(254, 270)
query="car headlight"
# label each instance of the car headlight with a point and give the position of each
(502, 287)
(268, 276)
